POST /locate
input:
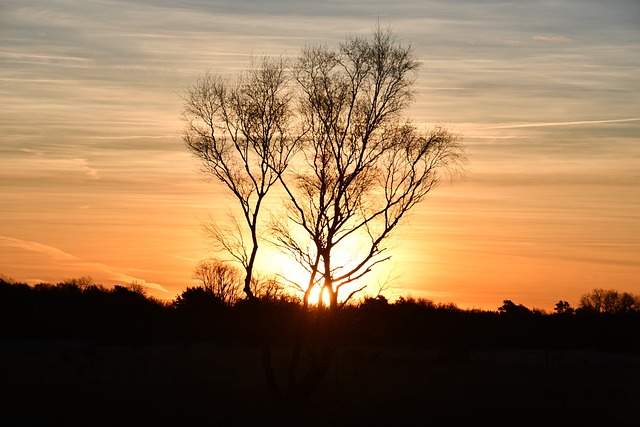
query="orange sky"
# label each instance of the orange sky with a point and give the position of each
(94, 179)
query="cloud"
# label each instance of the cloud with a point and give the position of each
(130, 137)
(34, 159)
(51, 252)
(552, 39)
(75, 166)
(38, 153)
(72, 262)
(83, 165)
(44, 59)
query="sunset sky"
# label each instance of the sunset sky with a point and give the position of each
(95, 180)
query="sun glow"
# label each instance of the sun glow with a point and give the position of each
(297, 278)
(314, 297)
(294, 276)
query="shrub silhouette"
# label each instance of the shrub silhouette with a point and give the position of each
(563, 307)
(510, 308)
(120, 315)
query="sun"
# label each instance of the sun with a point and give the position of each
(292, 273)
(297, 278)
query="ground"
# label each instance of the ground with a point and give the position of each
(203, 385)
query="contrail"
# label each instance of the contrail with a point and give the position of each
(181, 257)
(582, 122)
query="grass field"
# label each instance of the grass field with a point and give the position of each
(200, 385)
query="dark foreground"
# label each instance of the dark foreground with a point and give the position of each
(68, 384)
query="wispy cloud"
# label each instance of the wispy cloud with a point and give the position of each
(38, 153)
(55, 165)
(53, 254)
(551, 39)
(49, 251)
(47, 59)
(83, 165)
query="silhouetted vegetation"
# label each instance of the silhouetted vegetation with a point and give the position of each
(609, 302)
(79, 309)
(79, 343)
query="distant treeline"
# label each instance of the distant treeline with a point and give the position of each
(79, 310)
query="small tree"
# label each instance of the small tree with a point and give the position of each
(81, 283)
(270, 289)
(609, 301)
(219, 279)
(563, 307)
(241, 133)
(137, 288)
(510, 308)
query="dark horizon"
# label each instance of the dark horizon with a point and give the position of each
(103, 356)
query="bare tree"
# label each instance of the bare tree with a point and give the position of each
(364, 166)
(609, 301)
(219, 279)
(351, 166)
(241, 133)
(81, 283)
(137, 288)
(361, 167)
(270, 289)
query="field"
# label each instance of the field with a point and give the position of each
(66, 383)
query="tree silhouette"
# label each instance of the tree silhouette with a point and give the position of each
(271, 289)
(510, 308)
(364, 165)
(350, 163)
(609, 301)
(241, 133)
(563, 307)
(220, 279)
